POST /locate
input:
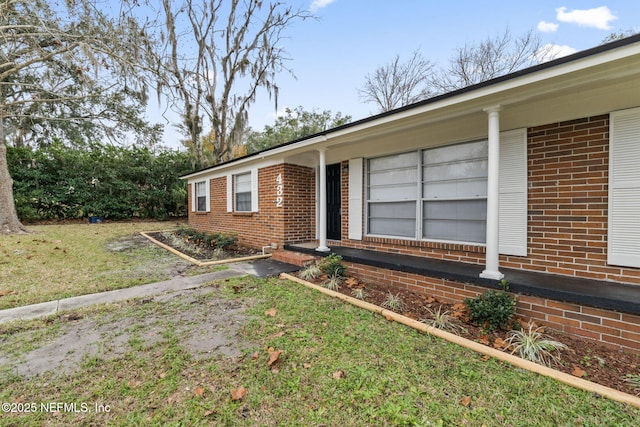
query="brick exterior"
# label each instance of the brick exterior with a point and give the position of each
(615, 329)
(293, 222)
(568, 167)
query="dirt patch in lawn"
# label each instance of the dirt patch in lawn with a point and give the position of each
(206, 324)
(583, 358)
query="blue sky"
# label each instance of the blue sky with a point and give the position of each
(332, 55)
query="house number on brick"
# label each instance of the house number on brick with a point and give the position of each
(279, 191)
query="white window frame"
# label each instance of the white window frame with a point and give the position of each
(419, 200)
(232, 191)
(195, 205)
(237, 179)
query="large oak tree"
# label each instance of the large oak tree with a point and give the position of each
(70, 70)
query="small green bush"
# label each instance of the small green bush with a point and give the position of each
(332, 265)
(492, 310)
(217, 240)
(223, 240)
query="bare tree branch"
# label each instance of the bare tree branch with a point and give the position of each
(398, 83)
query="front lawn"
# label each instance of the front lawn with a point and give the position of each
(59, 261)
(307, 359)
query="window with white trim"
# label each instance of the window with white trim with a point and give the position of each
(201, 196)
(392, 195)
(454, 192)
(449, 182)
(242, 192)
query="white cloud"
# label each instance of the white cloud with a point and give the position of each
(598, 17)
(547, 27)
(319, 4)
(553, 51)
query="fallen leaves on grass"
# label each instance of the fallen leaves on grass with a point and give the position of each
(238, 393)
(271, 312)
(339, 374)
(199, 391)
(273, 356)
(4, 292)
(466, 401)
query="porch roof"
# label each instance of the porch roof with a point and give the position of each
(591, 82)
(594, 293)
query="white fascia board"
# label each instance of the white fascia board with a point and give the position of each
(490, 91)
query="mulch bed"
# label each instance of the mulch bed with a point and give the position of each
(583, 358)
(201, 252)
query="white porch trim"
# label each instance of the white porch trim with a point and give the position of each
(492, 267)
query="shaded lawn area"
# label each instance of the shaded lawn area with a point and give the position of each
(339, 365)
(60, 261)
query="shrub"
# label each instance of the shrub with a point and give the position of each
(333, 282)
(533, 346)
(492, 310)
(332, 265)
(393, 302)
(311, 272)
(634, 381)
(442, 320)
(224, 240)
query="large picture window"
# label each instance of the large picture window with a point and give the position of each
(242, 193)
(449, 182)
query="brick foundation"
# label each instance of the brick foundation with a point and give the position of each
(619, 330)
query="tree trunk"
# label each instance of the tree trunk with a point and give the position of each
(9, 222)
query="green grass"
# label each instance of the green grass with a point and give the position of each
(393, 375)
(59, 261)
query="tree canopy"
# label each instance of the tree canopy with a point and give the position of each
(294, 124)
(72, 70)
(219, 55)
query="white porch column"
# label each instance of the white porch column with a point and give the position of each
(322, 244)
(492, 268)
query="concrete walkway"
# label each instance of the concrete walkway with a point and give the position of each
(259, 268)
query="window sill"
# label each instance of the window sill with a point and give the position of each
(243, 213)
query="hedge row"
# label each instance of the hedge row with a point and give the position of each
(59, 182)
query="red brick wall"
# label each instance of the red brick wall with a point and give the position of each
(609, 327)
(293, 222)
(568, 164)
(300, 204)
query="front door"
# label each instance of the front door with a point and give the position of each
(334, 202)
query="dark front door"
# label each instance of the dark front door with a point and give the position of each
(334, 202)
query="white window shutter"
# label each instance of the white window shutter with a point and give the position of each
(624, 188)
(513, 193)
(207, 189)
(355, 199)
(194, 196)
(229, 193)
(254, 190)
